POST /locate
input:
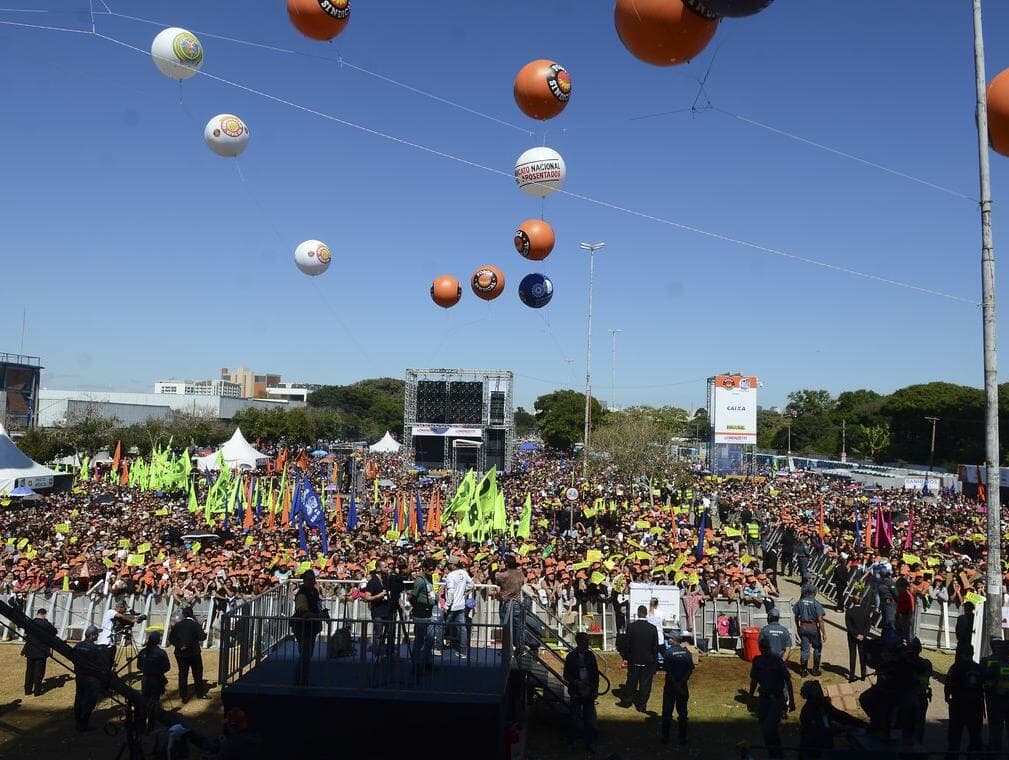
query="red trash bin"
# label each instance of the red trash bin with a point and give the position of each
(751, 647)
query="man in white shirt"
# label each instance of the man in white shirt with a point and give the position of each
(458, 585)
(106, 637)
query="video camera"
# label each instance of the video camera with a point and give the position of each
(121, 627)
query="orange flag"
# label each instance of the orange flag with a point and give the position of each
(821, 520)
(412, 515)
(281, 459)
(285, 509)
(302, 460)
(270, 523)
(338, 512)
(117, 456)
(124, 474)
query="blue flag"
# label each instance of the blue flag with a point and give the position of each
(700, 535)
(420, 514)
(307, 510)
(858, 533)
(259, 499)
(352, 513)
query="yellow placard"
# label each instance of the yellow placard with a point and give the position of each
(593, 555)
(62, 527)
(124, 543)
(643, 524)
(196, 546)
(135, 560)
(143, 548)
(732, 532)
(303, 567)
(974, 598)
(911, 559)
(580, 566)
(932, 561)
(597, 578)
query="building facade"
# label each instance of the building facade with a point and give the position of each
(253, 384)
(199, 388)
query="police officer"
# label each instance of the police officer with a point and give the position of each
(91, 671)
(152, 662)
(678, 664)
(753, 537)
(856, 623)
(777, 636)
(186, 636)
(809, 615)
(787, 550)
(887, 593)
(776, 697)
(996, 686)
(914, 701)
(36, 651)
(964, 692)
(802, 556)
(307, 623)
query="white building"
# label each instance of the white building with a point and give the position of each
(55, 406)
(289, 392)
(199, 388)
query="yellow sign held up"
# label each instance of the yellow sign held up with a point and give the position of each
(135, 560)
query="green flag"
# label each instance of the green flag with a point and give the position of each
(486, 500)
(500, 514)
(526, 519)
(193, 505)
(463, 496)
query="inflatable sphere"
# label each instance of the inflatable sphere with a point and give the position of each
(446, 291)
(312, 257)
(662, 32)
(319, 19)
(536, 290)
(727, 8)
(540, 171)
(177, 53)
(487, 282)
(542, 89)
(998, 113)
(534, 239)
(226, 135)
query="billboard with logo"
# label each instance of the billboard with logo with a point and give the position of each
(732, 407)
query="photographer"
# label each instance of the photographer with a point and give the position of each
(116, 623)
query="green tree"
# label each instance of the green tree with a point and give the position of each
(561, 417)
(44, 444)
(809, 402)
(870, 441)
(768, 425)
(638, 443)
(87, 431)
(366, 409)
(525, 423)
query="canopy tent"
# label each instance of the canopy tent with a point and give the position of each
(102, 457)
(18, 469)
(387, 445)
(236, 452)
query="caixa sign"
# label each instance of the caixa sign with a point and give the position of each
(40, 481)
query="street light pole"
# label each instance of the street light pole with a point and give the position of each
(613, 361)
(591, 248)
(993, 606)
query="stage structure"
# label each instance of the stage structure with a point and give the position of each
(457, 419)
(732, 410)
(20, 378)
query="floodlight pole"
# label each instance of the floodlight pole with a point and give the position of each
(591, 248)
(614, 331)
(993, 605)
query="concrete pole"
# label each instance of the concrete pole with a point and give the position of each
(993, 607)
(588, 355)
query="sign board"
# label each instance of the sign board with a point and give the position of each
(572, 494)
(40, 481)
(918, 483)
(969, 473)
(453, 432)
(732, 408)
(669, 602)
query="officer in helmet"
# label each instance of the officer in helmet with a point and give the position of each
(996, 687)
(779, 640)
(809, 614)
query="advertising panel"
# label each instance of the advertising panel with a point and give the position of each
(733, 409)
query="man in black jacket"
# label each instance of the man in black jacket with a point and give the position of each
(186, 636)
(36, 651)
(306, 624)
(642, 659)
(581, 674)
(856, 622)
(965, 626)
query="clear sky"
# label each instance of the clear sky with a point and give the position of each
(140, 255)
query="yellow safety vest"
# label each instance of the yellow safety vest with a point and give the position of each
(753, 530)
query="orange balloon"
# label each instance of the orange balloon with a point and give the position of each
(534, 239)
(487, 282)
(319, 19)
(662, 32)
(446, 291)
(542, 89)
(998, 113)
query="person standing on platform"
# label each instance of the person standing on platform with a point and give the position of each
(642, 659)
(91, 673)
(581, 674)
(996, 686)
(458, 585)
(965, 626)
(678, 664)
(306, 624)
(376, 594)
(778, 639)
(964, 691)
(856, 623)
(36, 652)
(509, 589)
(186, 636)
(809, 614)
(776, 697)
(152, 662)
(422, 602)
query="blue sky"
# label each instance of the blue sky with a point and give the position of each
(140, 255)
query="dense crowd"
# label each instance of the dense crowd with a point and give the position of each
(707, 535)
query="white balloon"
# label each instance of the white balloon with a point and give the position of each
(312, 257)
(177, 53)
(540, 172)
(226, 135)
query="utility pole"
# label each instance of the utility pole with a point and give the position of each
(789, 426)
(844, 441)
(993, 605)
(591, 248)
(931, 449)
(613, 361)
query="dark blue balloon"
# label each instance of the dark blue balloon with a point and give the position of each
(727, 8)
(536, 290)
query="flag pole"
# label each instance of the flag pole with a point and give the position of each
(993, 607)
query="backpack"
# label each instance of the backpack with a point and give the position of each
(722, 625)
(340, 644)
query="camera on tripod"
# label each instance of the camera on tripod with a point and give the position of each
(122, 629)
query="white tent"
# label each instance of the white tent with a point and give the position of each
(236, 452)
(102, 457)
(18, 469)
(387, 445)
